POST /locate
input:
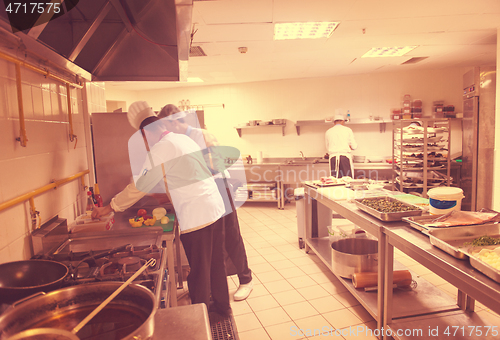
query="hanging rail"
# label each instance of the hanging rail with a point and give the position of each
(23, 139)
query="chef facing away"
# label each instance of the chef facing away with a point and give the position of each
(339, 143)
(177, 161)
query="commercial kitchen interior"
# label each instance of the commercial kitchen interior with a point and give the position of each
(294, 81)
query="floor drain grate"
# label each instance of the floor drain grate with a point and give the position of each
(224, 329)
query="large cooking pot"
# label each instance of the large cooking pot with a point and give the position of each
(130, 315)
(354, 255)
(23, 278)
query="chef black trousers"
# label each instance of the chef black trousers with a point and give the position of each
(344, 167)
(236, 256)
(205, 254)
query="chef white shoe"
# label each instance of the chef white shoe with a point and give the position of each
(243, 291)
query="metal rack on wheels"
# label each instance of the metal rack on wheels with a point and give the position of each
(421, 154)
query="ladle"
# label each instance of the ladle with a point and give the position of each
(103, 304)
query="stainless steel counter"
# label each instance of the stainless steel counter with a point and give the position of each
(398, 309)
(472, 285)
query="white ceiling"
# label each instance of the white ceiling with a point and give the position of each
(451, 33)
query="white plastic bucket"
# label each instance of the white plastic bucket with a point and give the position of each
(445, 199)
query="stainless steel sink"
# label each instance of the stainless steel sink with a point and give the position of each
(299, 161)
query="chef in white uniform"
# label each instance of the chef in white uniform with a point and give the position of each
(339, 144)
(157, 154)
(236, 261)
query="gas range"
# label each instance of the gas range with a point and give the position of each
(113, 256)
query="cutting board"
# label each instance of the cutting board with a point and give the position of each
(166, 227)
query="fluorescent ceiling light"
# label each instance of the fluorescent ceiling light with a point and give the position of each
(388, 51)
(304, 30)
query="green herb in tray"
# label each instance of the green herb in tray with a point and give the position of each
(387, 206)
(484, 241)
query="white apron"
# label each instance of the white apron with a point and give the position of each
(337, 163)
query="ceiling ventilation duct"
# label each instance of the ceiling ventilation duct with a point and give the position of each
(116, 40)
(196, 51)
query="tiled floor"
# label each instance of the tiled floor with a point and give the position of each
(295, 291)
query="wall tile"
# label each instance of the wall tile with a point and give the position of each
(11, 92)
(15, 223)
(27, 101)
(5, 255)
(63, 99)
(20, 249)
(9, 130)
(31, 78)
(48, 156)
(62, 89)
(56, 104)
(47, 106)
(4, 105)
(4, 67)
(37, 98)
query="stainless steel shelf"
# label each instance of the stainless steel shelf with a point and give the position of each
(321, 247)
(425, 298)
(458, 272)
(282, 126)
(350, 122)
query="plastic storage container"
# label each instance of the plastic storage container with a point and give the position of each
(445, 199)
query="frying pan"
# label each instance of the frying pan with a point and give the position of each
(23, 278)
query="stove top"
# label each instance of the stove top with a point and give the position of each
(112, 256)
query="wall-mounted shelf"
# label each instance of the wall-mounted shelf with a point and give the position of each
(351, 122)
(282, 126)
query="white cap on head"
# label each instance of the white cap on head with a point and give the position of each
(137, 112)
(177, 115)
(339, 115)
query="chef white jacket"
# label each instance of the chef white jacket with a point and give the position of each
(200, 138)
(340, 140)
(194, 193)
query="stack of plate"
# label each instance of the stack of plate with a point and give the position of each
(358, 159)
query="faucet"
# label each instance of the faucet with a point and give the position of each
(302, 155)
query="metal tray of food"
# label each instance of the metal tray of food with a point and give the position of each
(388, 216)
(485, 268)
(419, 222)
(455, 240)
(458, 243)
(423, 222)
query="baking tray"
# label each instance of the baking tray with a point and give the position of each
(485, 268)
(419, 223)
(451, 240)
(387, 217)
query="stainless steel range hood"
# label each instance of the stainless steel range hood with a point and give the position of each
(117, 40)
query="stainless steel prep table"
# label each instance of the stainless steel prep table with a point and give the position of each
(315, 240)
(470, 283)
(387, 305)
